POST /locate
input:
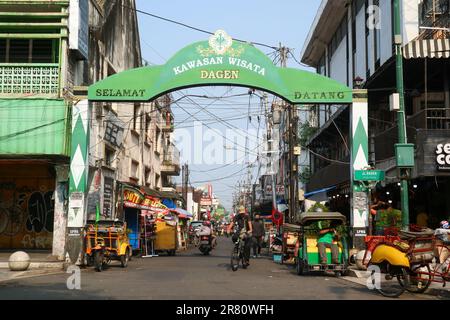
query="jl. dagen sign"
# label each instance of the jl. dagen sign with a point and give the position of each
(220, 61)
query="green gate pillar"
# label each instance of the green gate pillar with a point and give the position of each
(359, 215)
(79, 168)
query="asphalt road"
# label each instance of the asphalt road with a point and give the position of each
(190, 275)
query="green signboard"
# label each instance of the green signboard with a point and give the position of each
(220, 61)
(369, 175)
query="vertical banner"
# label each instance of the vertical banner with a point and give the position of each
(79, 27)
(79, 168)
(359, 161)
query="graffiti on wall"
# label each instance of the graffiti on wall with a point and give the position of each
(26, 216)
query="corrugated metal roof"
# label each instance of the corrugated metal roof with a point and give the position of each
(33, 127)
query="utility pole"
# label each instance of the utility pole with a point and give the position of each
(292, 159)
(185, 180)
(401, 122)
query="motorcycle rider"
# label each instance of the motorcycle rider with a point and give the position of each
(242, 221)
(206, 230)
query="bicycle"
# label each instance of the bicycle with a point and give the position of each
(237, 255)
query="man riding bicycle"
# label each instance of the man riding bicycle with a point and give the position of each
(243, 224)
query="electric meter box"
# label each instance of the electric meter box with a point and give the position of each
(404, 154)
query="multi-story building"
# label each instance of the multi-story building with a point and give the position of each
(353, 42)
(50, 51)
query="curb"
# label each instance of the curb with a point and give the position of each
(356, 276)
(38, 265)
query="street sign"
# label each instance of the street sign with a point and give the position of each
(369, 175)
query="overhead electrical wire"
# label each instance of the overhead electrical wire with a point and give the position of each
(192, 27)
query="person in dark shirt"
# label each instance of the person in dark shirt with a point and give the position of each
(242, 223)
(258, 234)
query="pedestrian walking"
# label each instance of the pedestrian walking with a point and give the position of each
(257, 235)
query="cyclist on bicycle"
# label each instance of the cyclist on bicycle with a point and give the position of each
(244, 226)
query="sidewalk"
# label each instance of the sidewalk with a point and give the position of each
(360, 277)
(40, 259)
(42, 263)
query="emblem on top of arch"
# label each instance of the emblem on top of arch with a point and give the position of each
(220, 43)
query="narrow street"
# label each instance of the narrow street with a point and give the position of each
(188, 276)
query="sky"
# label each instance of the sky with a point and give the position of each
(285, 22)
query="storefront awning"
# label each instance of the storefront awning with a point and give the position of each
(182, 213)
(428, 48)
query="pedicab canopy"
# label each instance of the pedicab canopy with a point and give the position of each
(307, 217)
(220, 61)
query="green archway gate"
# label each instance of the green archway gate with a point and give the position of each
(218, 61)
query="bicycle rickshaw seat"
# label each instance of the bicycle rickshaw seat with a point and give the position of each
(414, 234)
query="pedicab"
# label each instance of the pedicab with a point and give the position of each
(307, 256)
(106, 241)
(290, 238)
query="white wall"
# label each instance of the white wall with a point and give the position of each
(338, 63)
(386, 31)
(360, 45)
(410, 10)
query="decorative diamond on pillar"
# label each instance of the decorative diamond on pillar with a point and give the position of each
(77, 167)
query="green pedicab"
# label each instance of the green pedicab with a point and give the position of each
(307, 251)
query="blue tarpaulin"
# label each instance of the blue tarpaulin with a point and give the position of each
(308, 194)
(169, 203)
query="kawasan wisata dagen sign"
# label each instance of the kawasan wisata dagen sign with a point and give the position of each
(220, 61)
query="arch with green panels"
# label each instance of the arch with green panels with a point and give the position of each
(218, 61)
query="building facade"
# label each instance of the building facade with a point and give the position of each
(61, 48)
(353, 42)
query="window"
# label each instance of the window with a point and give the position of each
(109, 156)
(157, 181)
(28, 51)
(147, 176)
(157, 138)
(148, 122)
(377, 39)
(136, 116)
(341, 32)
(134, 169)
(354, 12)
(2, 50)
(368, 45)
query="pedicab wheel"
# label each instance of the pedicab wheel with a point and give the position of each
(393, 284)
(98, 261)
(235, 259)
(299, 267)
(124, 259)
(418, 283)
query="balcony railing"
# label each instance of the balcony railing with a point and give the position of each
(428, 119)
(171, 161)
(33, 80)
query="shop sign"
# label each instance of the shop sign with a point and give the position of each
(136, 199)
(280, 189)
(79, 27)
(369, 175)
(132, 198)
(443, 157)
(360, 232)
(107, 196)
